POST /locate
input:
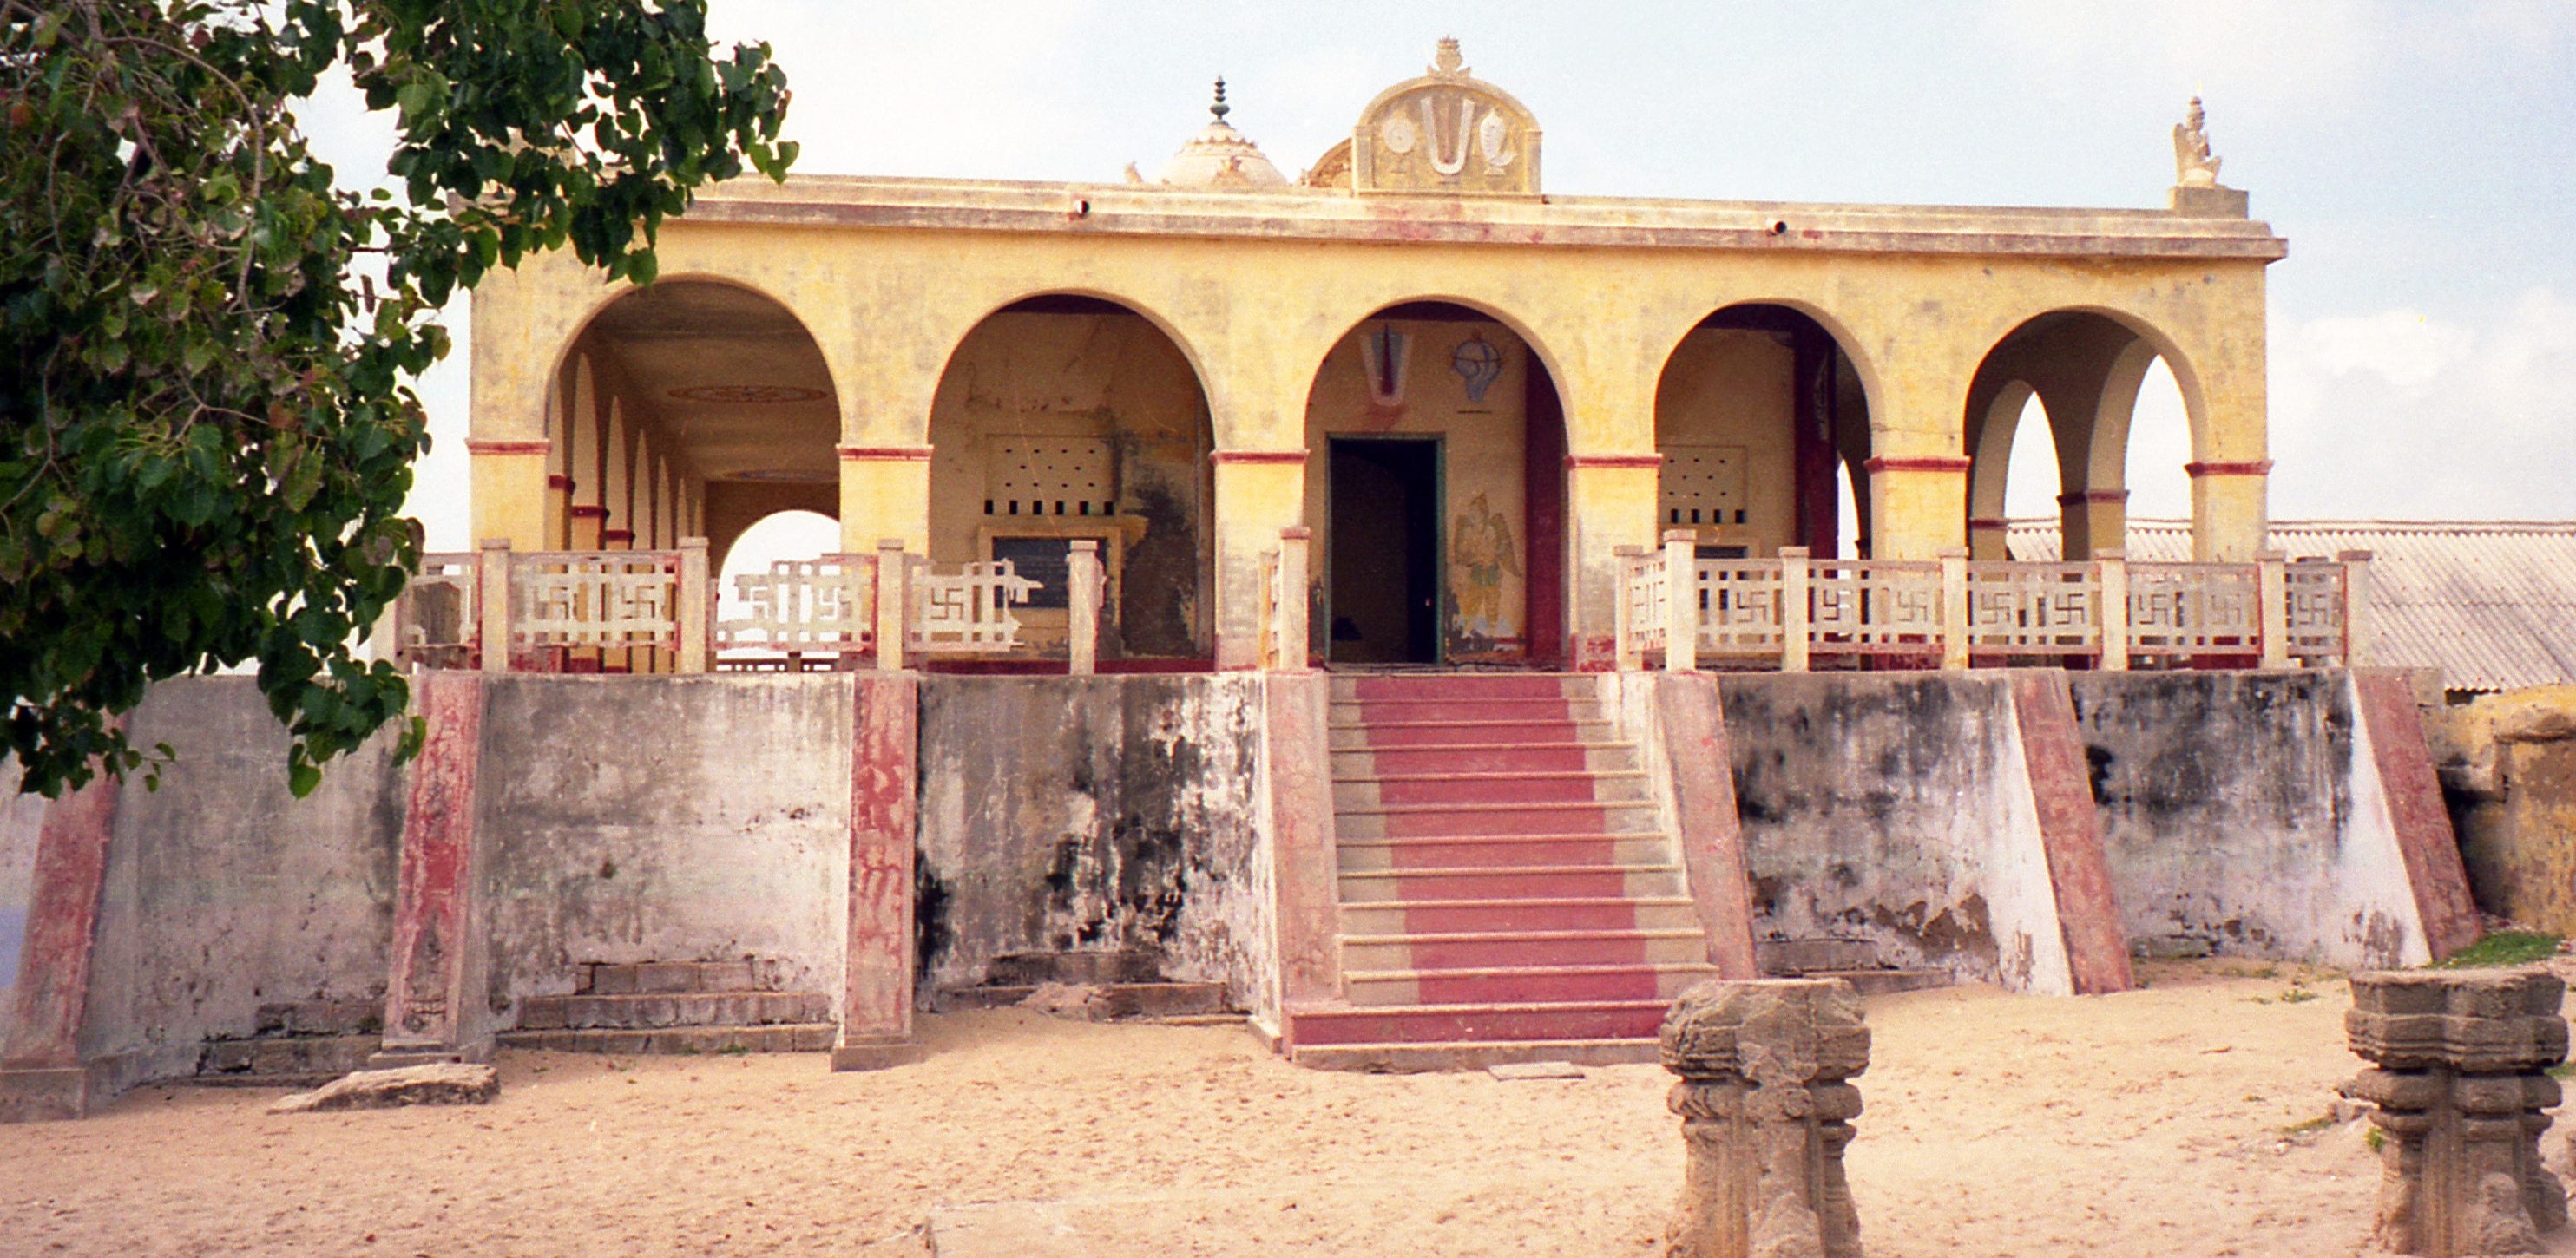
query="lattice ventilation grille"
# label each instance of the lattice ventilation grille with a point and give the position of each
(1052, 476)
(1702, 484)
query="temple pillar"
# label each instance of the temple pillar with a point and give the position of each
(1918, 505)
(1610, 502)
(885, 492)
(1258, 493)
(2092, 520)
(511, 489)
(42, 1076)
(1766, 1110)
(2229, 523)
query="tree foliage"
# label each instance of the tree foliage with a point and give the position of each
(205, 344)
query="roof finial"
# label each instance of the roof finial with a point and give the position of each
(1446, 61)
(1220, 108)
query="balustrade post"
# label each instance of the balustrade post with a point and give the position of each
(1292, 610)
(1083, 606)
(1955, 634)
(2356, 606)
(894, 618)
(2113, 579)
(492, 596)
(2272, 607)
(1793, 609)
(1681, 600)
(1627, 655)
(695, 606)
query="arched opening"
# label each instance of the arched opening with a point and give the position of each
(782, 536)
(1439, 516)
(2070, 380)
(1064, 417)
(1758, 413)
(690, 407)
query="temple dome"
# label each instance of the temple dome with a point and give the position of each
(1221, 157)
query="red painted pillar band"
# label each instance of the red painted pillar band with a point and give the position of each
(1306, 878)
(1712, 837)
(62, 927)
(433, 894)
(2386, 701)
(876, 1001)
(2070, 833)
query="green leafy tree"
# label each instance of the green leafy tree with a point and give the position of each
(206, 345)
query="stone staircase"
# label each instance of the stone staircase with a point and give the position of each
(675, 1007)
(296, 1044)
(1123, 984)
(1855, 961)
(1507, 893)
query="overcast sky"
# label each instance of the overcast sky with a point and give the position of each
(2419, 157)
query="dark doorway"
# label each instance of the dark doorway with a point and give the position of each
(1386, 550)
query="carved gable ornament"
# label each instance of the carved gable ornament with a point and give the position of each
(1445, 132)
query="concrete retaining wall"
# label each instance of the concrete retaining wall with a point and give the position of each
(1097, 814)
(2243, 814)
(223, 892)
(628, 819)
(21, 818)
(1895, 807)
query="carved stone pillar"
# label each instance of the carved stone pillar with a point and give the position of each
(2461, 1079)
(1766, 1111)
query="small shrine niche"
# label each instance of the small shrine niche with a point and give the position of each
(1444, 133)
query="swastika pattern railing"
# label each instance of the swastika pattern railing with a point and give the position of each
(2107, 611)
(805, 606)
(595, 599)
(967, 610)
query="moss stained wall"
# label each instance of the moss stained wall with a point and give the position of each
(1095, 814)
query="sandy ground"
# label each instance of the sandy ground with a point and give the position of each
(2179, 1120)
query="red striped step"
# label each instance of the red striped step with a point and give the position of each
(1431, 733)
(1579, 786)
(1547, 757)
(1460, 686)
(1566, 1020)
(1535, 881)
(1501, 851)
(1396, 917)
(1447, 711)
(1522, 984)
(1482, 951)
(1394, 821)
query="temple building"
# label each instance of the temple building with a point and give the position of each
(1469, 388)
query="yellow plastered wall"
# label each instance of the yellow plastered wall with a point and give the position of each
(1259, 317)
(1731, 390)
(1483, 522)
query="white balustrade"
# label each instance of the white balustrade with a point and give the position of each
(2107, 612)
(800, 607)
(965, 611)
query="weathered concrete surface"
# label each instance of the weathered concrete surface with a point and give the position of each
(1897, 808)
(435, 1083)
(879, 959)
(2420, 825)
(22, 817)
(436, 892)
(647, 818)
(1305, 867)
(2508, 770)
(1688, 720)
(223, 892)
(2088, 910)
(1081, 814)
(2243, 813)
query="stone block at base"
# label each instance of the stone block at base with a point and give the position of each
(445, 1083)
(875, 1054)
(54, 1094)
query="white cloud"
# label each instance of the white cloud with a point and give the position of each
(2404, 415)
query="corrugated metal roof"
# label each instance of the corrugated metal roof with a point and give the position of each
(2490, 603)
